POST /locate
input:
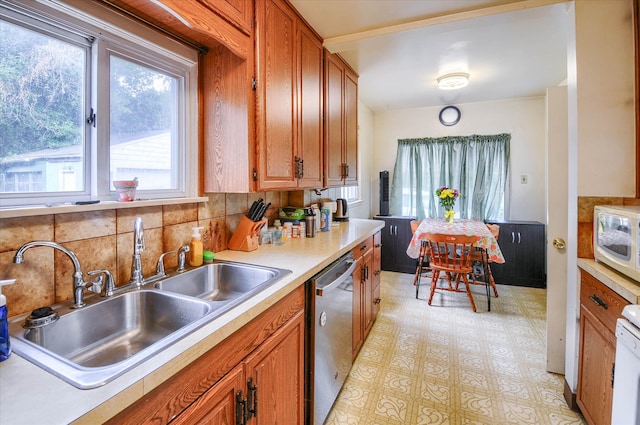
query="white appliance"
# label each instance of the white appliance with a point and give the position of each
(626, 381)
(616, 238)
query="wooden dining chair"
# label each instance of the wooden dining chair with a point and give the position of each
(479, 256)
(422, 266)
(451, 255)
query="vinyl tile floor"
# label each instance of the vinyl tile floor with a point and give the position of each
(445, 364)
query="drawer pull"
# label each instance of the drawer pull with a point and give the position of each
(597, 301)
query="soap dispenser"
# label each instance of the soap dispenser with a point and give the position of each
(5, 346)
(196, 248)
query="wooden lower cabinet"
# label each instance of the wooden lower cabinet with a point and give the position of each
(599, 309)
(377, 269)
(256, 373)
(366, 289)
(218, 405)
(277, 371)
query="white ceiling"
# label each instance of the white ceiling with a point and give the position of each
(510, 48)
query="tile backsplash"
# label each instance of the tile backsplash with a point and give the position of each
(104, 240)
(585, 219)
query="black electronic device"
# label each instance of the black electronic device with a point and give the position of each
(384, 193)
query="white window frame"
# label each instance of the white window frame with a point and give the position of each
(116, 34)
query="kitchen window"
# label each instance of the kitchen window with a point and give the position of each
(90, 97)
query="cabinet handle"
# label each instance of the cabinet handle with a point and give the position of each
(377, 301)
(518, 237)
(513, 237)
(252, 399)
(301, 168)
(597, 301)
(363, 247)
(613, 373)
(241, 403)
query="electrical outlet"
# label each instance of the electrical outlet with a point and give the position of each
(524, 179)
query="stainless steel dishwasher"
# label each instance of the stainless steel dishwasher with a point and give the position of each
(333, 331)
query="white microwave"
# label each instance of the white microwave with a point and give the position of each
(616, 238)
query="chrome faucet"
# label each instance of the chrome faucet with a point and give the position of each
(79, 285)
(138, 247)
(182, 256)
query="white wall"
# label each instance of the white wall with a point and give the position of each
(524, 119)
(605, 95)
(601, 128)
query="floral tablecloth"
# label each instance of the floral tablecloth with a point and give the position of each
(459, 227)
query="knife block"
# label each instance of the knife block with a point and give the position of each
(247, 235)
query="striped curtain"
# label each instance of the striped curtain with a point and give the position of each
(476, 165)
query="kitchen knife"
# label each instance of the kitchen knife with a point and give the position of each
(254, 208)
(259, 211)
(262, 211)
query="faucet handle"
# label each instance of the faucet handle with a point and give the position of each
(96, 286)
(160, 266)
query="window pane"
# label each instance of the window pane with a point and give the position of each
(143, 120)
(42, 82)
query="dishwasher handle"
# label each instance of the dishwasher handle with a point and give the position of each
(344, 276)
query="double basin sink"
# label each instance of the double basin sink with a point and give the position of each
(91, 346)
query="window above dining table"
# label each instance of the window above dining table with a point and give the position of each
(476, 165)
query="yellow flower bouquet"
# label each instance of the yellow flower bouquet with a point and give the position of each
(448, 200)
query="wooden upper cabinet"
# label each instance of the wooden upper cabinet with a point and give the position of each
(275, 54)
(341, 123)
(205, 22)
(351, 127)
(288, 99)
(238, 12)
(309, 100)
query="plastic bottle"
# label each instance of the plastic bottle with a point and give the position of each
(5, 345)
(196, 249)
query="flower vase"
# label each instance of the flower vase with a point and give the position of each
(449, 213)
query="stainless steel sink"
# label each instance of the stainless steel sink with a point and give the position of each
(91, 346)
(226, 282)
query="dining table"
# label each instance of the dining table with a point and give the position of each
(459, 226)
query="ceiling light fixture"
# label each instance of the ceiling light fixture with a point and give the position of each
(453, 81)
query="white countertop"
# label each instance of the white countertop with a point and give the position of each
(618, 283)
(30, 395)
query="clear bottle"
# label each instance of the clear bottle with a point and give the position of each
(5, 344)
(196, 249)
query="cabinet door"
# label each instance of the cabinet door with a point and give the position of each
(595, 373)
(396, 236)
(523, 248)
(239, 12)
(350, 151)
(218, 405)
(377, 269)
(404, 263)
(334, 72)
(309, 100)
(358, 331)
(277, 371)
(275, 116)
(367, 292)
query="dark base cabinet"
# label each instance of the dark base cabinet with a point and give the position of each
(523, 245)
(396, 236)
